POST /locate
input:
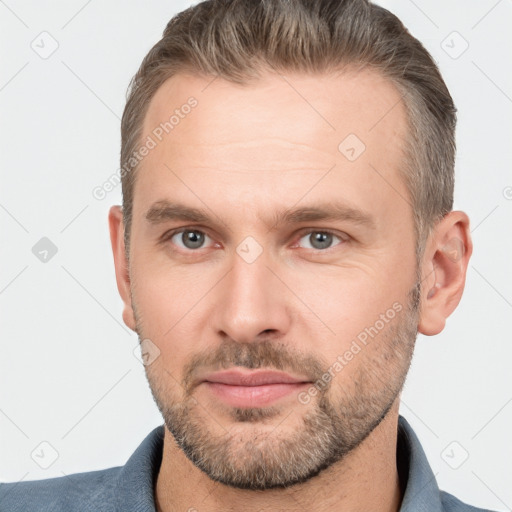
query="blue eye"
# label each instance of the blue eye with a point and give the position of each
(320, 240)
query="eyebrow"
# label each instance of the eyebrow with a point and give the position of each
(164, 211)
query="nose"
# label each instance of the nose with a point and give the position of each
(251, 302)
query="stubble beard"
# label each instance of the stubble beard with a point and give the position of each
(255, 453)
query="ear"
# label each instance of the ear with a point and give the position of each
(116, 225)
(444, 266)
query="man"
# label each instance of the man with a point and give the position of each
(286, 231)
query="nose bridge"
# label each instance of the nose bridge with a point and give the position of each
(252, 299)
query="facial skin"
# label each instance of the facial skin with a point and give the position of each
(246, 155)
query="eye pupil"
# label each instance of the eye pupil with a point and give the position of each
(320, 240)
(192, 239)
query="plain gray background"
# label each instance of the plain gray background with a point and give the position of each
(69, 376)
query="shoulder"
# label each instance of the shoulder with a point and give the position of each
(453, 504)
(128, 487)
(90, 491)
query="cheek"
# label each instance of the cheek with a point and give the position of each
(356, 312)
(165, 292)
(171, 304)
(346, 300)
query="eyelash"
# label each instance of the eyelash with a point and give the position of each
(343, 239)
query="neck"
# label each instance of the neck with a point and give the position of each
(364, 480)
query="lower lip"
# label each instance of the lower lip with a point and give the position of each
(253, 396)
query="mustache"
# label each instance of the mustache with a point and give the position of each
(263, 354)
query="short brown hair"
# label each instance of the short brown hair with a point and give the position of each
(238, 39)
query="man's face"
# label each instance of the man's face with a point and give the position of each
(251, 291)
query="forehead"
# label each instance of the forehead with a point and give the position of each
(280, 131)
(303, 107)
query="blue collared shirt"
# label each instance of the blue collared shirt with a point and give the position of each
(130, 488)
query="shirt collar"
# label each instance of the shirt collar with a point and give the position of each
(421, 489)
(137, 479)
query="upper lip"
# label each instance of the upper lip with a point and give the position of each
(243, 377)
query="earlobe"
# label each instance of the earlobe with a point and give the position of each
(445, 263)
(116, 226)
